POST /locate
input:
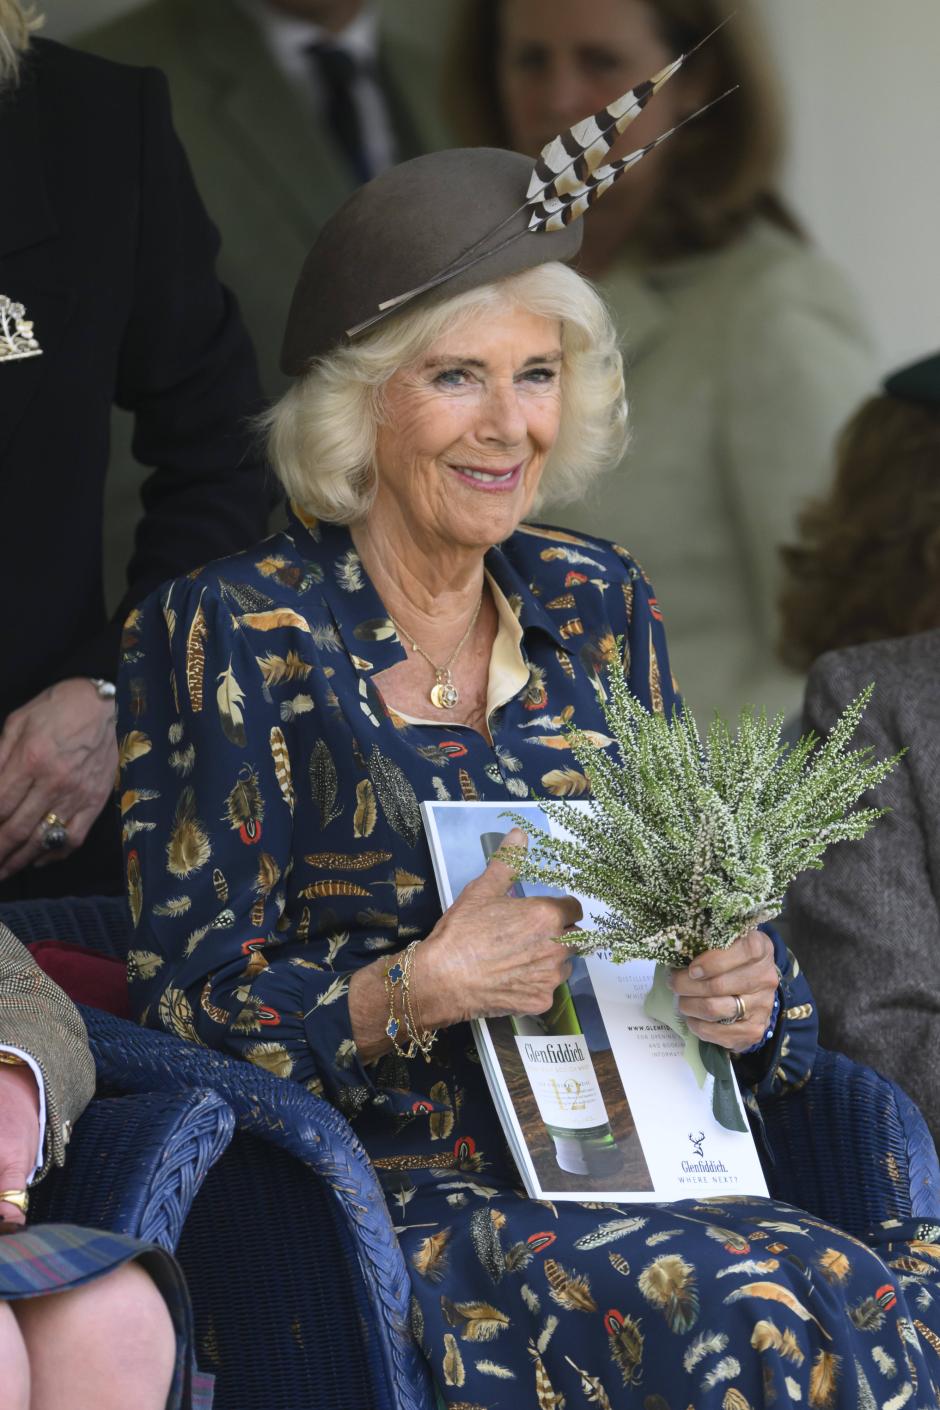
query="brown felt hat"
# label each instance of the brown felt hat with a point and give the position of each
(460, 210)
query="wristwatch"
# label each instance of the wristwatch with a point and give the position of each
(107, 690)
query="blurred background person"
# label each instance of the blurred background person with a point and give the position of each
(862, 604)
(284, 108)
(745, 349)
(108, 295)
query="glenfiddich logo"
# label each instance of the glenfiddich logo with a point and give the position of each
(17, 339)
(697, 1144)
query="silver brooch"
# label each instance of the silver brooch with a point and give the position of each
(16, 332)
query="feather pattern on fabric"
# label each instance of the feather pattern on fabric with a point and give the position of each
(196, 655)
(282, 769)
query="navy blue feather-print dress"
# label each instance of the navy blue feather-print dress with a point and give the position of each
(273, 844)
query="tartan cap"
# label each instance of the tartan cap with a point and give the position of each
(918, 382)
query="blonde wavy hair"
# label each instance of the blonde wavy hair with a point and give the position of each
(322, 432)
(16, 23)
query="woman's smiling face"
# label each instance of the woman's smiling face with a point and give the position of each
(466, 431)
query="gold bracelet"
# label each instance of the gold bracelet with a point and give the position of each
(12, 1060)
(395, 976)
(423, 1039)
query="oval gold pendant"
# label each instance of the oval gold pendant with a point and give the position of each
(435, 694)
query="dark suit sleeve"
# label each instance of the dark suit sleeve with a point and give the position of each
(187, 372)
(867, 926)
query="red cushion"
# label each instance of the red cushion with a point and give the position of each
(87, 977)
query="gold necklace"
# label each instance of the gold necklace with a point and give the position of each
(443, 694)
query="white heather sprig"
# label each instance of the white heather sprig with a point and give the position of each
(689, 843)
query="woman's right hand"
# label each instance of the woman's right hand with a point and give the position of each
(493, 954)
(19, 1134)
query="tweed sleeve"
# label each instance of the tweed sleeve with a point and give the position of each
(37, 1018)
(209, 769)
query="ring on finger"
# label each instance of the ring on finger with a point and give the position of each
(53, 833)
(740, 1011)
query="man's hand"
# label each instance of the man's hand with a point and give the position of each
(58, 754)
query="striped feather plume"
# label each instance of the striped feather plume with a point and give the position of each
(571, 172)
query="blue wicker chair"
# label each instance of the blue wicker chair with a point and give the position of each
(300, 1292)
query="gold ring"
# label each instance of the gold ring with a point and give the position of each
(740, 1010)
(53, 833)
(20, 1198)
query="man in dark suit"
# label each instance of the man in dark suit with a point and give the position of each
(107, 272)
(276, 139)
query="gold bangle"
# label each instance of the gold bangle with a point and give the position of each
(395, 976)
(18, 1198)
(12, 1060)
(422, 1038)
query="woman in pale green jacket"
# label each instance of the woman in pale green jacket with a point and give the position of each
(745, 349)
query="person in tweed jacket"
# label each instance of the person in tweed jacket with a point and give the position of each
(863, 604)
(57, 1351)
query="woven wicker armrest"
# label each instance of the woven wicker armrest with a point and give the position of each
(852, 1148)
(281, 1112)
(135, 1164)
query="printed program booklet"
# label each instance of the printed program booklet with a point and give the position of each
(596, 1099)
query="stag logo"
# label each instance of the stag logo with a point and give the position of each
(697, 1144)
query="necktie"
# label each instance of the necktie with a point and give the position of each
(337, 71)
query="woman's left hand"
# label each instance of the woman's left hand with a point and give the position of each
(708, 991)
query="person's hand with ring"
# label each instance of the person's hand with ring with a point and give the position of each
(727, 996)
(58, 754)
(19, 1140)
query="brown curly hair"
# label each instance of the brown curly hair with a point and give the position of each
(867, 566)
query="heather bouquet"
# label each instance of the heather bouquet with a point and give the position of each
(689, 841)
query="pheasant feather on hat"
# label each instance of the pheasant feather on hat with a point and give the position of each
(459, 218)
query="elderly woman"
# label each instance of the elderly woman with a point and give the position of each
(746, 349)
(64, 1290)
(412, 636)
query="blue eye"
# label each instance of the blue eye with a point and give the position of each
(544, 376)
(451, 377)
